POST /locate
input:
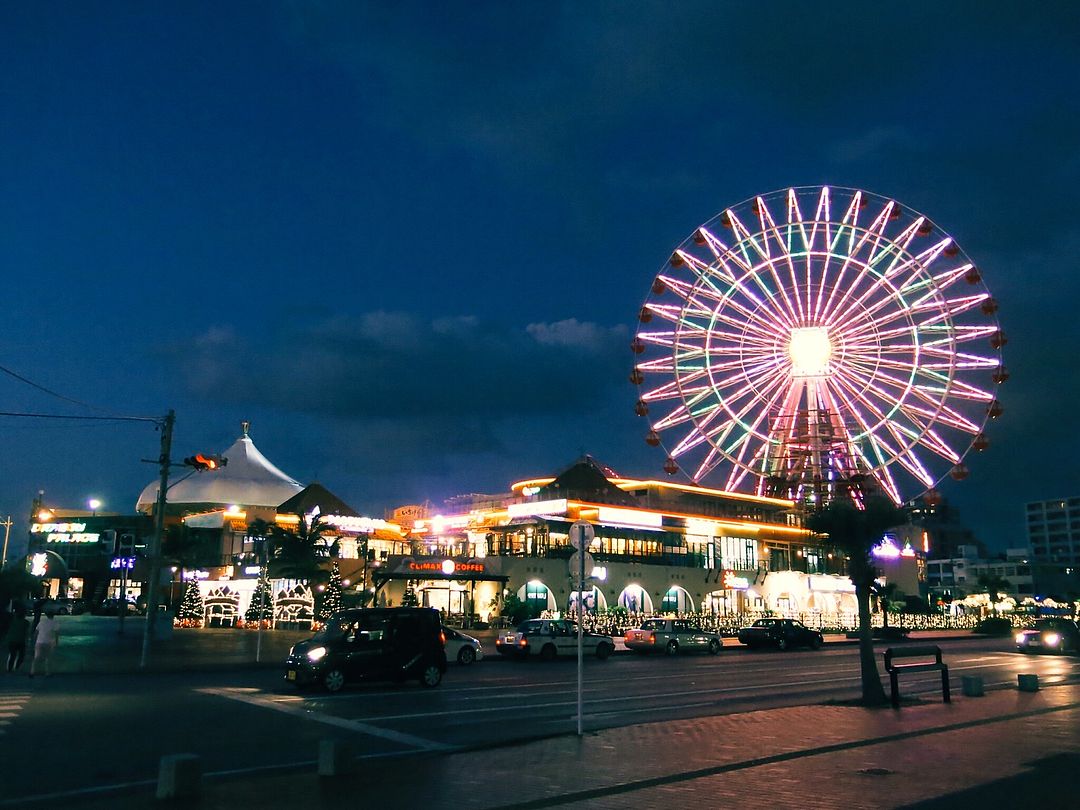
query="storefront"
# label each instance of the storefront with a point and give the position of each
(460, 587)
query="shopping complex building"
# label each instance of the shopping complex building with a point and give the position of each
(659, 547)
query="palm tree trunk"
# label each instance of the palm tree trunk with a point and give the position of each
(873, 694)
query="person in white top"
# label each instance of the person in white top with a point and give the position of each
(48, 636)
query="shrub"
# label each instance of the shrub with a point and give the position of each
(994, 626)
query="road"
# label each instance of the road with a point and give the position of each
(77, 735)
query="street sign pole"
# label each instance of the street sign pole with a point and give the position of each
(581, 537)
(580, 633)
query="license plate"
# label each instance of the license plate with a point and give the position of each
(290, 675)
(1034, 643)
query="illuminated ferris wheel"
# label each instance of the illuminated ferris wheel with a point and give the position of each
(810, 339)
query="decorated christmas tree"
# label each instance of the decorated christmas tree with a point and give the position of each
(262, 603)
(331, 598)
(409, 598)
(191, 609)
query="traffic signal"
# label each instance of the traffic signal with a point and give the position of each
(107, 543)
(204, 461)
(125, 545)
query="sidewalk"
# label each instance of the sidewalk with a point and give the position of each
(1008, 748)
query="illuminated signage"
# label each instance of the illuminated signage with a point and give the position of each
(630, 517)
(122, 562)
(47, 528)
(39, 565)
(64, 532)
(732, 582)
(252, 569)
(446, 567)
(557, 507)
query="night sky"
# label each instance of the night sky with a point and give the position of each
(409, 241)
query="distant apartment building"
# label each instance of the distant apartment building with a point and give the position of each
(957, 577)
(1053, 530)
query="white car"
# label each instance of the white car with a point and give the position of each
(550, 639)
(461, 647)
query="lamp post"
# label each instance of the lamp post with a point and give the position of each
(94, 505)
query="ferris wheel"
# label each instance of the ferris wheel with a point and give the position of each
(812, 338)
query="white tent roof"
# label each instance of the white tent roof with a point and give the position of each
(248, 479)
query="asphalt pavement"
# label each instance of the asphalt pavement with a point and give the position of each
(1008, 747)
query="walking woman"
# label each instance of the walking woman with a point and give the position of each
(48, 635)
(15, 638)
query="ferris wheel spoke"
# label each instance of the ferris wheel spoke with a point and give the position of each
(769, 226)
(914, 264)
(869, 240)
(902, 454)
(960, 390)
(944, 309)
(959, 334)
(755, 264)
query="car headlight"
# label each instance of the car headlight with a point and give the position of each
(316, 653)
(1019, 638)
(1051, 639)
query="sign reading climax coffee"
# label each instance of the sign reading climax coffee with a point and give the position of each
(446, 567)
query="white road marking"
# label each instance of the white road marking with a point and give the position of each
(340, 722)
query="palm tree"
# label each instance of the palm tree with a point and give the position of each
(885, 593)
(856, 531)
(299, 553)
(992, 585)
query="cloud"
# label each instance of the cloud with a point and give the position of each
(396, 372)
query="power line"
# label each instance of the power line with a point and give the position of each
(155, 419)
(48, 391)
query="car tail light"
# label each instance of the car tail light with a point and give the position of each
(442, 637)
(523, 643)
(652, 638)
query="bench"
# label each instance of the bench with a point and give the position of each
(923, 665)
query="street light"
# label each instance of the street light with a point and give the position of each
(94, 505)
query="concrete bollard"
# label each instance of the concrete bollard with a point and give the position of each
(179, 776)
(1028, 683)
(335, 758)
(972, 686)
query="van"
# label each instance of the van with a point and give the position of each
(371, 644)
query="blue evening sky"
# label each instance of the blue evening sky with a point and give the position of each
(409, 241)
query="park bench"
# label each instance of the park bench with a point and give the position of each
(922, 664)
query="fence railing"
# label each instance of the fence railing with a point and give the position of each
(617, 622)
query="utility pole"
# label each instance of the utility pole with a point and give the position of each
(164, 461)
(7, 531)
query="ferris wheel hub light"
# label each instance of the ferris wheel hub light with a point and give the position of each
(810, 351)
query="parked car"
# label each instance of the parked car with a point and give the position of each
(671, 636)
(1049, 636)
(68, 607)
(377, 644)
(111, 607)
(461, 647)
(551, 638)
(780, 633)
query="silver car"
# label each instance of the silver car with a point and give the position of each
(461, 647)
(671, 636)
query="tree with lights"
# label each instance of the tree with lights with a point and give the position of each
(331, 598)
(192, 609)
(261, 607)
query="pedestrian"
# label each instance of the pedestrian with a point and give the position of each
(15, 638)
(48, 636)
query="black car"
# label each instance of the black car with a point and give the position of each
(1050, 636)
(379, 644)
(780, 633)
